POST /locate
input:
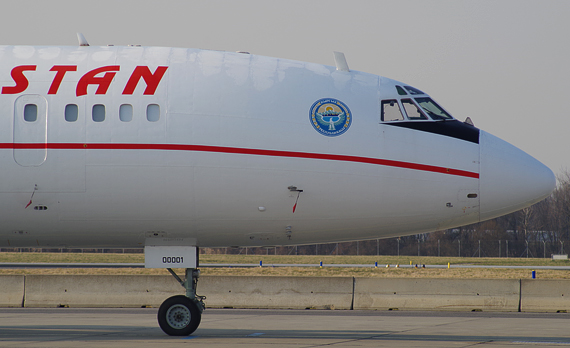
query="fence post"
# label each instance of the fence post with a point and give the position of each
(398, 246)
(377, 247)
(418, 247)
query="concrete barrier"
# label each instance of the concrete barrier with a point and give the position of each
(11, 290)
(99, 290)
(277, 292)
(437, 294)
(545, 295)
(530, 295)
(221, 291)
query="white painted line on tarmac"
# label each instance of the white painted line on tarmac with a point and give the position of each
(541, 342)
(257, 334)
(189, 337)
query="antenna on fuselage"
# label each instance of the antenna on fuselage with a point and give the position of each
(82, 40)
(340, 62)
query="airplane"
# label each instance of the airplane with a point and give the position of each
(172, 149)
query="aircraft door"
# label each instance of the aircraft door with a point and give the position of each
(30, 130)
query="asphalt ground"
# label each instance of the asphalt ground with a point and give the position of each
(73, 327)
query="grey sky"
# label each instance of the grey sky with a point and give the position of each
(504, 63)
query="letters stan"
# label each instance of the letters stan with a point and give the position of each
(102, 77)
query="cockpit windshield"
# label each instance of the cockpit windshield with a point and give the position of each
(411, 104)
(414, 113)
(390, 111)
(434, 111)
(413, 91)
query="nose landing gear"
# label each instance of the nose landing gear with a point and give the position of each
(180, 315)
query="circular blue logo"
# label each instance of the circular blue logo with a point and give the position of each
(330, 117)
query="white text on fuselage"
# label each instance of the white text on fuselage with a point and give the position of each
(101, 77)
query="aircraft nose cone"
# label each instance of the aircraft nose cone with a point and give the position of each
(510, 179)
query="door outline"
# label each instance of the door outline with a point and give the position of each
(30, 137)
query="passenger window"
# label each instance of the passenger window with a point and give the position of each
(412, 110)
(98, 113)
(126, 112)
(71, 112)
(433, 110)
(390, 111)
(153, 112)
(30, 112)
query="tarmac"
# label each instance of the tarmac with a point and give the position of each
(105, 327)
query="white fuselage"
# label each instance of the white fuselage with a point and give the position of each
(214, 145)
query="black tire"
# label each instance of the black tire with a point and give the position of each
(179, 316)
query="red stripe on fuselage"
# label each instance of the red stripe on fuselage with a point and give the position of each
(242, 151)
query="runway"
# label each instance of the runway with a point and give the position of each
(71, 327)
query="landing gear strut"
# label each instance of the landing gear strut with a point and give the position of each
(180, 315)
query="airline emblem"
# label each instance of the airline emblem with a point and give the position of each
(330, 117)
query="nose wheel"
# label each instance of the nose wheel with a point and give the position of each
(180, 315)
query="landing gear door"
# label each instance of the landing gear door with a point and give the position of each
(170, 253)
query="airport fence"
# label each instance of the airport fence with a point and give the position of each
(398, 247)
(390, 247)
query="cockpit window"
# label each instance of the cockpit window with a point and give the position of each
(414, 113)
(433, 110)
(390, 111)
(401, 91)
(413, 91)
